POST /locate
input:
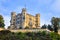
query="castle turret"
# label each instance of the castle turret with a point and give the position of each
(24, 12)
(38, 20)
(13, 19)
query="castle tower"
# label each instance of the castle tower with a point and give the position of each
(13, 20)
(38, 20)
(24, 17)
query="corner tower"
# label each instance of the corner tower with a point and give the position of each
(37, 20)
(13, 20)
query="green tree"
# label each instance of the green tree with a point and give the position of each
(55, 23)
(44, 26)
(50, 27)
(1, 21)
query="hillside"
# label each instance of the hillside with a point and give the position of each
(8, 35)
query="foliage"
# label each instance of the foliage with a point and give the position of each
(50, 27)
(54, 36)
(55, 23)
(1, 21)
(7, 35)
(44, 26)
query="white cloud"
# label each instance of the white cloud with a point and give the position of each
(7, 21)
(18, 9)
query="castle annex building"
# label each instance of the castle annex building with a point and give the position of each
(24, 20)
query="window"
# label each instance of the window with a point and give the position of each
(17, 22)
(30, 19)
(14, 19)
(24, 17)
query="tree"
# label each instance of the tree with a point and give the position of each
(55, 23)
(44, 26)
(1, 21)
(50, 27)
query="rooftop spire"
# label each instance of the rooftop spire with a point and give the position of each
(23, 9)
(25, 5)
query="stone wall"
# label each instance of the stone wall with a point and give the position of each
(29, 30)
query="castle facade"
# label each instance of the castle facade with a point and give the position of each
(24, 20)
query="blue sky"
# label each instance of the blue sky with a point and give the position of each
(46, 8)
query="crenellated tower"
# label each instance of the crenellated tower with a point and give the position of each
(37, 20)
(24, 12)
(13, 20)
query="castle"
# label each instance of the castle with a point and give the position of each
(24, 20)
